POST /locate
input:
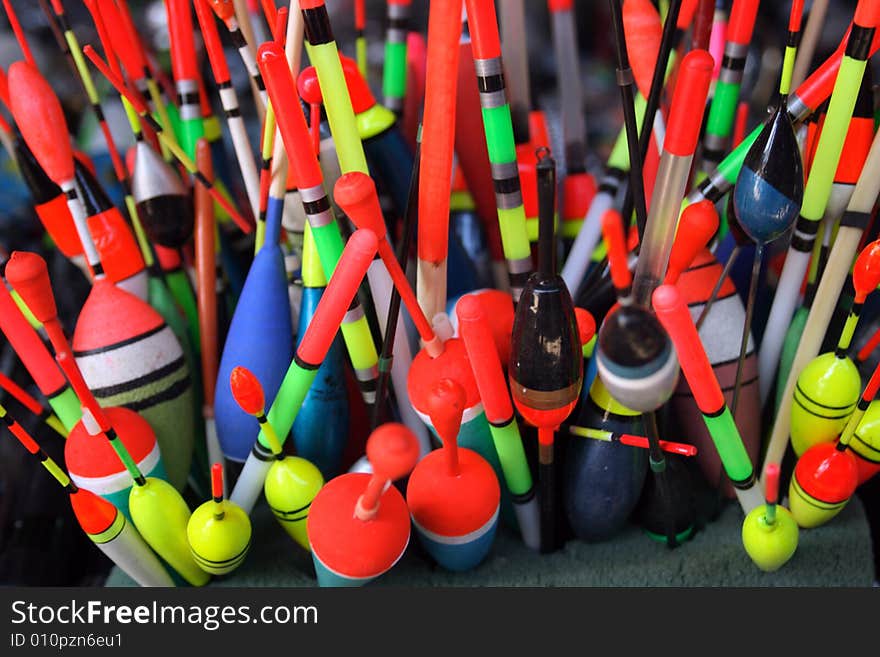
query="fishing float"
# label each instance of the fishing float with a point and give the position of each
(500, 143)
(321, 428)
(394, 70)
(102, 522)
(34, 355)
(826, 392)
(769, 531)
(360, 39)
(155, 506)
(476, 332)
(544, 382)
(292, 481)
(675, 318)
(229, 99)
(453, 494)
(852, 226)
(679, 145)
(855, 151)
(438, 137)
(668, 446)
(636, 363)
(312, 349)
(816, 195)
(766, 196)
(225, 11)
(722, 111)
(24, 398)
(185, 69)
(643, 29)
(139, 364)
(865, 443)
(354, 548)
(355, 193)
(218, 531)
(143, 111)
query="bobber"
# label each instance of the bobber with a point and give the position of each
(185, 68)
(225, 11)
(102, 522)
(291, 482)
(161, 199)
(453, 494)
(545, 383)
(112, 236)
(828, 388)
(359, 525)
(769, 531)
(137, 363)
(218, 531)
(156, 508)
(476, 332)
(263, 310)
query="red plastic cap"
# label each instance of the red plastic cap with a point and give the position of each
(28, 275)
(246, 390)
(676, 319)
(742, 21)
(343, 285)
(698, 223)
(866, 271)
(867, 13)
(771, 483)
(560, 5)
(392, 450)
(226, 10)
(362, 98)
(308, 87)
(688, 103)
(37, 111)
(355, 193)
(586, 324)
(446, 403)
(612, 232)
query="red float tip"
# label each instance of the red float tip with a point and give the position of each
(184, 64)
(392, 450)
(307, 86)
(866, 271)
(19, 33)
(688, 101)
(310, 4)
(246, 390)
(360, 14)
(37, 111)
(355, 193)
(867, 13)
(224, 9)
(794, 19)
(446, 404)
(612, 232)
(698, 223)
(217, 481)
(586, 325)
(280, 26)
(28, 275)
(686, 14)
(742, 21)
(213, 45)
(57, 7)
(771, 483)
(94, 513)
(644, 31)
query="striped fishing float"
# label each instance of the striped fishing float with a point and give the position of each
(310, 353)
(103, 523)
(500, 143)
(316, 204)
(225, 11)
(185, 68)
(816, 195)
(671, 447)
(394, 71)
(291, 482)
(719, 121)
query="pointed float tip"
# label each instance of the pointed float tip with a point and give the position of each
(28, 274)
(246, 390)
